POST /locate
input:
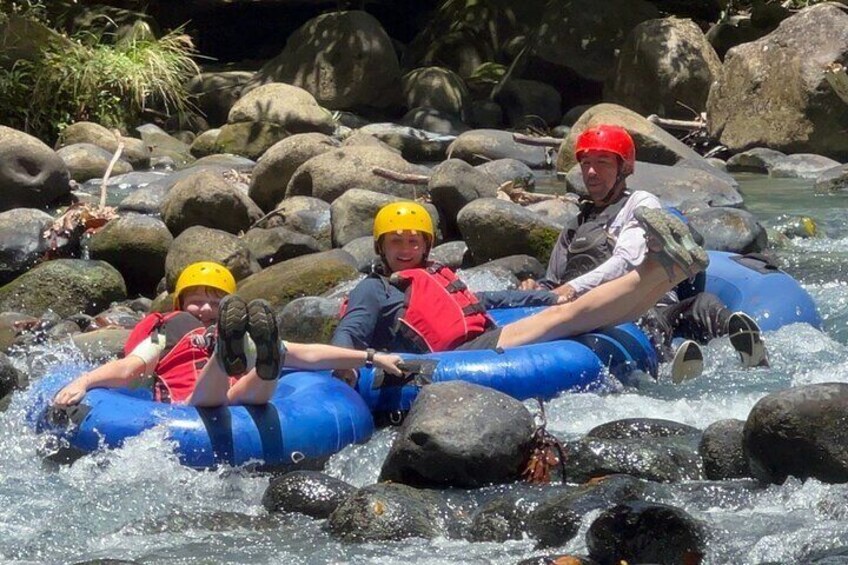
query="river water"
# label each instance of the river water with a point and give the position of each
(138, 503)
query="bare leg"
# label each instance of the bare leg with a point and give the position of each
(251, 389)
(212, 385)
(613, 302)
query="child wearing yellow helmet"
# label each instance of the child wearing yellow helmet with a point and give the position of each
(214, 349)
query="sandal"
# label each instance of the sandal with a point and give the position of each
(677, 246)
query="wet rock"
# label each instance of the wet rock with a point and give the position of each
(31, 174)
(495, 228)
(165, 146)
(503, 170)
(481, 145)
(799, 432)
(12, 325)
(644, 532)
(216, 93)
(65, 286)
(103, 345)
(757, 160)
(760, 99)
(802, 166)
(832, 180)
(208, 199)
(653, 144)
(277, 165)
(462, 435)
(63, 330)
(308, 492)
(345, 59)
(134, 151)
(635, 428)
(249, 139)
(386, 511)
(530, 103)
(137, 246)
(362, 249)
(308, 275)
(415, 145)
(665, 67)
(434, 121)
(22, 244)
(566, 559)
(199, 243)
(454, 184)
(450, 254)
(654, 459)
(10, 378)
(329, 175)
(729, 229)
(557, 520)
(437, 88)
(488, 277)
(232, 163)
(721, 450)
(353, 214)
(504, 517)
(311, 319)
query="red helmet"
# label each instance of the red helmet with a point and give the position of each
(614, 139)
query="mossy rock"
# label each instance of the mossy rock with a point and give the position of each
(65, 286)
(250, 139)
(308, 275)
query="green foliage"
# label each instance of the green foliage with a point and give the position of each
(101, 79)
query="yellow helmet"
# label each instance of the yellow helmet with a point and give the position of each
(204, 273)
(400, 216)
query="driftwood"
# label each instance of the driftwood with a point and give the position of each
(404, 178)
(516, 193)
(537, 140)
(685, 125)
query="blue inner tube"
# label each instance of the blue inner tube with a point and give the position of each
(311, 416)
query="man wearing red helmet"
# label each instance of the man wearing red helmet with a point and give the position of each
(608, 242)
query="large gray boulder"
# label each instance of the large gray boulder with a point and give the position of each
(88, 161)
(303, 214)
(665, 67)
(134, 151)
(329, 175)
(272, 245)
(530, 103)
(311, 319)
(653, 144)
(650, 458)
(31, 174)
(461, 435)
(454, 184)
(137, 246)
(64, 286)
(479, 146)
(415, 145)
(200, 243)
(21, 242)
(799, 432)
(249, 139)
(729, 229)
(208, 199)
(216, 93)
(721, 450)
(774, 93)
(354, 211)
(277, 166)
(437, 88)
(344, 59)
(495, 228)
(293, 108)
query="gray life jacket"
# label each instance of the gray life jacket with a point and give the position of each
(591, 243)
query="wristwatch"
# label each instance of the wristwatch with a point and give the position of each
(369, 357)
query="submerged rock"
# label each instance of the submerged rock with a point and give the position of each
(308, 492)
(722, 452)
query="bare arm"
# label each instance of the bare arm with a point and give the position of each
(316, 356)
(114, 374)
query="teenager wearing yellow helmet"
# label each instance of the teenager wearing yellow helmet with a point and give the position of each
(214, 349)
(410, 304)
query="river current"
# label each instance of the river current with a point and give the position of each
(139, 503)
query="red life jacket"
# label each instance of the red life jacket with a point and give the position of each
(439, 313)
(186, 353)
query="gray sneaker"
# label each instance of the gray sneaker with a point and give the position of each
(688, 362)
(677, 246)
